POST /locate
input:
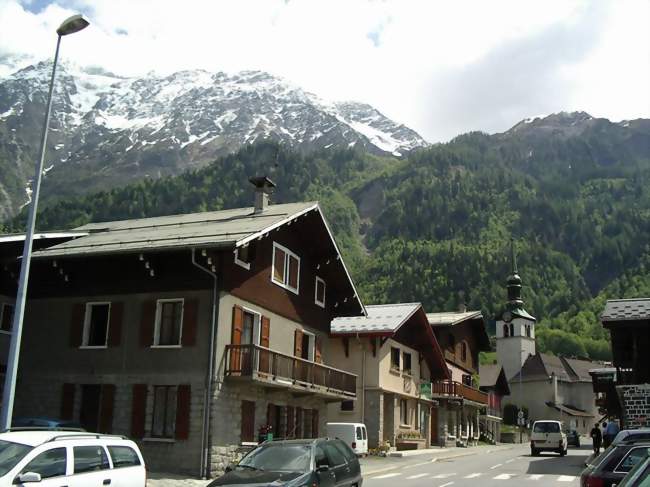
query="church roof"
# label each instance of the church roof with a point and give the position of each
(542, 366)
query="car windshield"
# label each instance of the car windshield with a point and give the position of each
(639, 466)
(10, 454)
(279, 458)
(546, 428)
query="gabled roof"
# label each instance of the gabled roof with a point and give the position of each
(542, 366)
(404, 322)
(381, 319)
(225, 228)
(493, 377)
(626, 310)
(451, 318)
(579, 369)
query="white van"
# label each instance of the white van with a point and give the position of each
(354, 434)
(547, 436)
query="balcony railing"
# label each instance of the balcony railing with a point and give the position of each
(278, 369)
(457, 389)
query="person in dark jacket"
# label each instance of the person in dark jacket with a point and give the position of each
(596, 437)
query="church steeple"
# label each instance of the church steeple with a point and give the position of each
(514, 281)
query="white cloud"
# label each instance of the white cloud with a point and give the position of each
(440, 67)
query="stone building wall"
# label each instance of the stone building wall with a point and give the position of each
(636, 405)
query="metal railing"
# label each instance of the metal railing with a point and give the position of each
(247, 360)
(457, 389)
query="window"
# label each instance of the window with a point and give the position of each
(286, 268)
(320, 458)
(506, 330)
(245, 255)
(451, 342)
(96, 325)
(123, 456)
(463, 351)
(169, 323)
(347, 406)
(634, 456)
(6, 316)
(359, 433)
(250, 329)
(51, 463)
(407, 363)
(319, 293)
(512, 330)
(394, 358)
(334, 455)
(403, 412)
(164, 412)
(528, 331)
(89, 459)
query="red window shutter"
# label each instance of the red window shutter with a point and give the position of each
(115, 324)
(67, 401)
(139, 410)
(147, 322)
(291, 422)
(106, 408)
(265, 358)
(183, 397)
(77, 324)
(190, 319)
(314, 423)
(318, 350)
(297, 347)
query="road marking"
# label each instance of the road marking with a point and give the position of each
(417, 465)
(443, 476)
(566, 478)
(473, 475)
(504, 476)
(417, 476)
(445, 485)
(387, 475)
(511, 460)
(535, 477)
(496, 466)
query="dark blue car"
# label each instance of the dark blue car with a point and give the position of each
(295, 463)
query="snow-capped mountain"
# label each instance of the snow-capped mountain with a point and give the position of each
(107, 130)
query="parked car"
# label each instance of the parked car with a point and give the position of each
(547, 435)
(45, 423)
(573, 438)
(295, 463)
(51, 458)
(354, 434)
(639, 476)
(630, 435)
(611, 467)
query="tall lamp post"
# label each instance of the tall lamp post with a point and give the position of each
(69, 26)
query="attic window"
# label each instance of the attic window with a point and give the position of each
(245, 255)
(286, 268)
(394, 358)
(319, 293)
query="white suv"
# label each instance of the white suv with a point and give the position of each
(48, 458)
(547, 436)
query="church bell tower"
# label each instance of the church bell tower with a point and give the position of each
(515, 328)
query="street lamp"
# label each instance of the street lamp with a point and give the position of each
(69, 26)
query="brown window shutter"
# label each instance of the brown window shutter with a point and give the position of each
(314, 423)
(115, 324)
(235, 338)
(265, 358)
(190, 319)
(247, 421)
(77, 324)
(147, 322)
(291, 422)
(293, 272)
(318, 350)
(67, 401)
(138, 411)
(297, 347)
(183, 397)
(106, 408)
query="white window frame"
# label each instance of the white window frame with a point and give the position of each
(241, 263)
(311, 351)
(86, 330)
(405, 371)
(257, 325)
(156, 329)
(404, 412)
(151, 392)
(3, 307)
(285, 285)
(319, 303)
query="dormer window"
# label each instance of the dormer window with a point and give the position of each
(286, 268)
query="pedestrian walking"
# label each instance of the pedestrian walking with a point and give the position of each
(596, 438)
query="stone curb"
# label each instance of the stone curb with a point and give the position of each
(435, 459)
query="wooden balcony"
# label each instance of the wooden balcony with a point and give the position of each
(451, 389)
(277, 370)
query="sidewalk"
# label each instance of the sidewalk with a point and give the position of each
(369, 465)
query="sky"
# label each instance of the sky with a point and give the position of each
(440, 67)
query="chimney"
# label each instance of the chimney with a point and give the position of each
(263, 188)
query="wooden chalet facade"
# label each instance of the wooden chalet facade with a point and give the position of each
(492, 380)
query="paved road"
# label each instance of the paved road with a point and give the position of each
(514, 467)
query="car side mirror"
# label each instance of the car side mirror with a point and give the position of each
(27, 477)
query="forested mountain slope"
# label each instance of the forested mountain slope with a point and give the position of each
(572, 190)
